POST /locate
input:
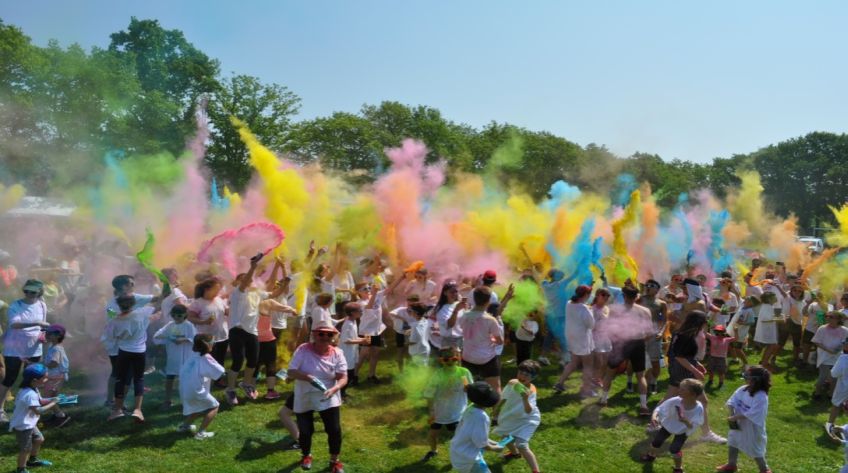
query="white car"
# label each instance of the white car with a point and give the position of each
(815, 245)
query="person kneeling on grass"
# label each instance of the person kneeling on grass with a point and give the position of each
(680, 416)
(472, 434)
(196, 378)
(517, 414)
(28, 409)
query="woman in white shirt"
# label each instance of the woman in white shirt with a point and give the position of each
(579, 322)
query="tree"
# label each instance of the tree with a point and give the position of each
(267, 111)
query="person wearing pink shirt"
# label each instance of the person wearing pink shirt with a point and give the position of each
(719, 344)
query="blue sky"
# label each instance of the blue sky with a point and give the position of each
(689, 80)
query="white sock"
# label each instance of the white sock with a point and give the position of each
(604, 395)
(643, 400)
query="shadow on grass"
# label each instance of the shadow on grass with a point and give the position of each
(255, 448)
(410, 436)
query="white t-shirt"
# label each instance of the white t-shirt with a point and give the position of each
(527, 330)
(325, 368)
(130, 331)
(196, 377)
(794, 309)
(479, 331)
(351, 351)
(830, 338)
(56, 353)
(318, 314)
(401, 319)
(23, 342)
(667, 415)
(471, 435)
(813, 315)
(443, 315)
(279, 318)
(112, 308)
(512, 418)
(579, 322)
(419, 335)
(173, 298)
(244, 309)
(216, 308)
(371, 322)
(178, 340)
(24, 418)
(425, 291)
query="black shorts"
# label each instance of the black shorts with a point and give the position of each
(450, 427)
(13, 368)
(808, 337)
(377, 341)
(400, 340)
(290, 402)
(632, 351)
(489, 369)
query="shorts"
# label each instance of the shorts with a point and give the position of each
(738, 345)
(632, 351)
(13, 368)
(824, 375)
(654, 349)
(807, 337)
(489, 369)
(795, 331)
(377, 341)
(290, 402)
(677, 373)
(400, 340)
(450, 427)
(717, 365)
(27, 437)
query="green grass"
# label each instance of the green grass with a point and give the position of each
(384, 432)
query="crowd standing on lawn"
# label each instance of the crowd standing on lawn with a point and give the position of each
(452, 330)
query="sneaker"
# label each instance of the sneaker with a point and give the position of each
(249, 391)
(290, 443)
(727, 468)
(271, 395)
(186, 428)
(33, 462)
(21, 470)
(203, 435)
(714, 438)
(4, 419)
(231, 397)
(306, 462)
(374, 380)
(544, 361)
(645, 412)
(559, 387)
(336, 467)
(429, 455)
(630, 386)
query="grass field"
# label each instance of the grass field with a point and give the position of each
(384, 432)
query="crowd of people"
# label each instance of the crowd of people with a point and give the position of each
(330, 322)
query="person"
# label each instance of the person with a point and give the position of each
(828, 341)
(58, 367)
(729, 304)
(268, 343)
(767, 330)
(659, 321)
(29, 406)
(741, 323)
(579, 322)
(446, 397)
(177, 296)
(371, 326)
(196, 377)
(472, 433)
(525, 336)
(422, 286)
(350, 342)
(26, 317)
(208, 313)
(554, 289)
(319, 312)
(419, 334)
(320, 372)
(815, 314)
(128, 332)
(518, 415)
(448, 302)
(628, 327)
(177, 336)
(680, 416)
(793, 308)
(481, 337)
(402, 319)
(603, 345)
(839, 373)
(719, 343)
(748, 411)
(124, 285)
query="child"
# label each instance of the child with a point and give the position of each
(177, 336)
(28, 408)
(748, 412)
(517, 413)
(446, 398)
(828, 340)
(268, 343)
(719, 343)
(57, 364)
(839, 373)
(472, 434)
(419, 335)
(680, 416)
(196, 377)
(129, 331)
(402, 319)
(350, 342)
(741, 324)
(525, 336)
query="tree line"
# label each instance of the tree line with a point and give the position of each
(63, 108)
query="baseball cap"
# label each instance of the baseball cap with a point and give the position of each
(33, 285)
(490, 274)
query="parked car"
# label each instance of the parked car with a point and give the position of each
(815, 245)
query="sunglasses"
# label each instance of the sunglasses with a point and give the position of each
(324, 334)
(31, 292)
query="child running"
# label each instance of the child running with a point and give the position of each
(680, 416)
(839, 373)
(58, 368)
(472, 435)
(719, 343)
(446, 397)
(28, 408)
(196, 378)
(517, 414)
(748, 412)
(177, 336)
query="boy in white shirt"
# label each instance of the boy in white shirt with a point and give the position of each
(28, 409)
(680, 416)
(419, 335)
(472, 434)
